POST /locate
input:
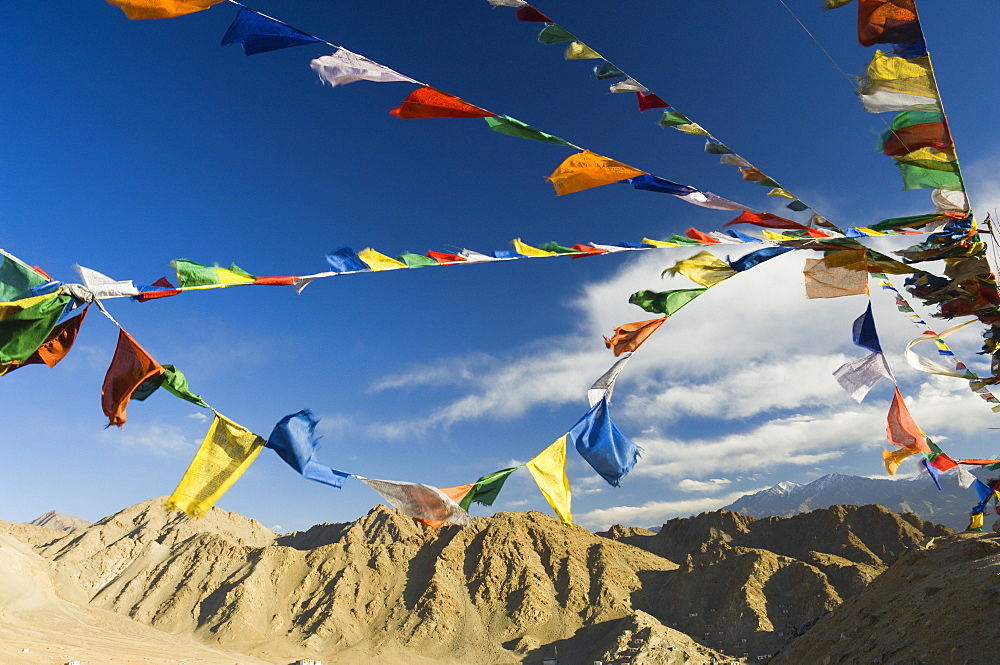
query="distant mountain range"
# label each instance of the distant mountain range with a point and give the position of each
(949, 506)
(59, 522)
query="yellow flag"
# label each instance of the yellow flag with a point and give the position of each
(893, 458)
(161, 8)
(929, 155)
(9, 309)
(774, 236)
(870, 232)
(378, 261)
(227, 451)
(548, 468)
(783, 193)
(692, 128)
(842, 273)
(703, 268)
(227, 277)
(975, 521)
(659, 243)
(892, 74)
(528, 250)
(580, 51)
(587, 169)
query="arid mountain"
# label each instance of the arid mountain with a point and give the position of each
(515, 587)
(948, 506)
(937, 604)
(57, 522)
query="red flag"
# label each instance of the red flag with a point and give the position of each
(900, 428)
(766, 220)
(275, 281)
(650, 101)
(587, 250)
(703, 238)
(887, 22)
(430, 103)
(529, 13)
(130, 366)
(630, 336)
(441, 257)
(905, 140)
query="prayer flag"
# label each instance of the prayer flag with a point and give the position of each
(900, 428)
(605, 386)
(512, 127)
(17, 278)
(527, 250)
(735, 160)
(833, 4)
(628, 85)
(345, 67)
(556, 248)
(765, 219)
(710, 201)
(486, 489)
(580, 51)
(912, 130)
(949, 201)
(702, 238)
(508, 3)
(891, 74)
(703, 268)
(130, 366)
(893, 459)
(757, 257)
(553, 34)
(27, 323)
(887, 22)
(443, 258)
(258, 33)
(650, 101)
(548, 468)
(931, 471)
(427, 102)
(864, 333)
(631, 336)
(191, 274)
(137, 9)
(419, 501)
(345, 260)
(918, 176)
(529, 13)
(672, 118)
(586, 169)
(881, 101)
(606, 70)
(839, 273)
(377, 261)
(58, 343)
(606, 449)
(664, 302)
(976, 521)
(858, 377)
(103, 286)
(225, 454)
(692, 128)
(294, 439)
(653, 183)
(713, 147)
(174, 382)
(456, 494)
(416, 260)
(781, 192)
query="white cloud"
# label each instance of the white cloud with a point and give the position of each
(653, 513)
(703, 486)
(199, 416)
(158, 439)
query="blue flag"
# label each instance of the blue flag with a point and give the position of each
(932, 472)
(294, 440)
(606, 70)
(345, 260)
(260, 34)
(865, 335)
(605, 448)
(752, 259)
(653, 184)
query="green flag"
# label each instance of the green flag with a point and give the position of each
(174, 382)
(553, 34)
(16, 279)
(664, 302)
(916, 176)
(513, 127)
(487, 488)
(672, 118)
(559, 249)
(25, 324)
(417, 260)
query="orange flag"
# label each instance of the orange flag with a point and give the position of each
(130, 366)
(58, 343)
(587, 169)
(894, 458)
(456, 494)
(630, 336)
(901, 430)
(430, 103)
(161, 8)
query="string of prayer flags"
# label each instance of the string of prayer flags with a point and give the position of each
(548, 468)
(586, 169)
(486, 490)
(900, 428)
(887, 22)
(427, 102)
(664, 302)
(173, 381)
(26, 324)
(512, 127)
(858, 377)
(605, 385)
(419, 501)
(259, 34)
(927, 365)
(130, 367)
(294, 439)
(839, 273)
(225, 454)
(345, 67)
(141, 9)
(456, 494)
(703, 268)
(601, 443)
(631, 336)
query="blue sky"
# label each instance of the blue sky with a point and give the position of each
(127, 144)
